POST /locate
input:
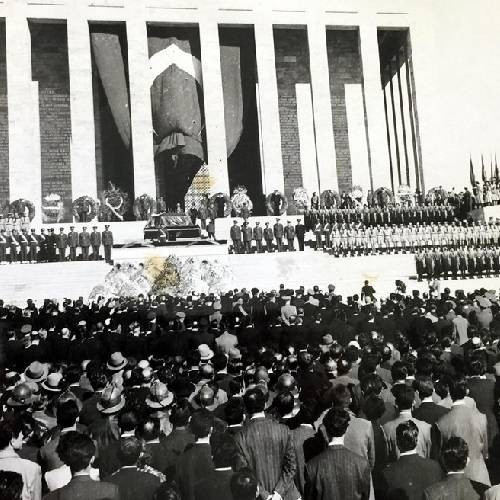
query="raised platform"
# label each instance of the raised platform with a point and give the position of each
(486, 214)
(19, 282)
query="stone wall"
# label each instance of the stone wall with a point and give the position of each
(344, 63)
(292, 67)
(4, 123)
(49, 64)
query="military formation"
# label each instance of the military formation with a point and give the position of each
(466, 262)
(257, 239)
(356, 239)
(26, 246)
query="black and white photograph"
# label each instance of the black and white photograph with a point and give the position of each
(249, 249)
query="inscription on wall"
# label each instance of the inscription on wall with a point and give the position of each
(4, 123)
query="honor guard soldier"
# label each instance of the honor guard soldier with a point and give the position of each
(258, 234)
(289, 232)
(278, 234)
(72, 243)
(420, 264)
(107, 241)
(42, 243)
(247, 237)
(462, 262)
(3, 246)
(13, 245)
(454, 263)
(62, 243)
(300, 231)
(318, 233)
(235, 233)
(327, 230)
(23, 244)
(95, 241)
(51, 246)
(84, 242)
(33, 246)
(269, 236)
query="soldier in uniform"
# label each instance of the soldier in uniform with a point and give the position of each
(429, 264)
(258, 234)
(300, 232)
(84, 242)
(289, 232)
(269, 236)
(278, 234)
(95, 241)
(318, 232)
(107, 241)
(445, 262)
(3, 245)
(454, 263)
(462, 261)
(471, 262)
(33, 246)
(247, 237)
(72, 243)
(62, 243)
(13, 245)
(51, 246)
(42, 243)
(420, 264)
(327, 229)
(23, 244)
(235, 233)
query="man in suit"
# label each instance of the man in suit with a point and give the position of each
(409, 476)
(266, 447)
(278, 234)
(95, 241)
(405, 397)
(456, 485)
(269, 236)
(428, 411)
(289, 232)
(107, 241)
(244, 485)
(62, 243)
(195, 463)
(84, 242)
(72, 243)
(235, 233)
(300, 231)
(470, 425)
(79, 451)
(132, 482)
(337, 472)
(258, 234)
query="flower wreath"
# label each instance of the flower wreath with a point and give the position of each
(114, 204)
(270, 208)
(19, 207)
(144, 206)
(329, 198)
(240, 197)
(383, 191)
(300, 198)
(52, 208)
(228, 206)
(78, 206)
(357, 192)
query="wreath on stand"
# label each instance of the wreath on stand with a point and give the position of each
(240, 197)
(144, 206)
(300, 199)
(228, 206)
(22, 208)
(383, 196)
(357, 193)
(115, 204)
(52, 208)
(84, 205)
(329, 199)
(270, 207)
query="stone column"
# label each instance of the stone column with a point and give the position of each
(25, 179)
(83, 165)
(140, 100)
(270, 131)
(374, 105)
(322, 106)
(213, 102)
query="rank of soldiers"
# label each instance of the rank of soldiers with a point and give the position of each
(26, 246)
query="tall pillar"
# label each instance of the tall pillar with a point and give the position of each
(322, 106)
(140, 100)
(374, 106)
(83, 164)
(214, 103)
(270, 130)
(25, 180)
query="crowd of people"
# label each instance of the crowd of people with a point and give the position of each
(285, 394)
(29, 247)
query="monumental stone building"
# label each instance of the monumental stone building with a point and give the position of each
(269, 94)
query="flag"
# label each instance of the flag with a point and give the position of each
(472, 177)
(483, 170)
(491, 168)
(497, 176)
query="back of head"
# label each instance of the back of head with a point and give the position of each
(244, 485)
(234, 411)
(454, 454)
(458, 388)
(201, 423)
(336, 422)
(130, 450)
(79, 451)
(67, 414)
(399, 371)
(255, 400)
(180, 414)
(424, 386)
(11, 485)
(406, 436)
(284, 403)
(223, 451)
(404, 396)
